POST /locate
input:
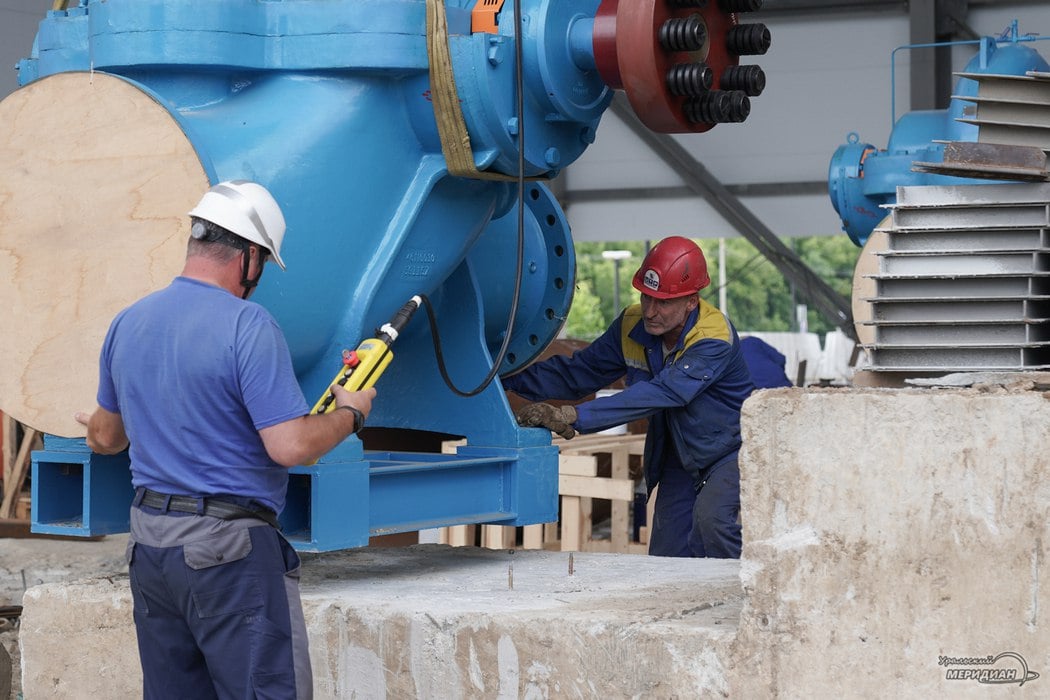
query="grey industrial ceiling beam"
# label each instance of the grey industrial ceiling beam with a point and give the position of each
(753, 189)
(832, 305)
(933, 21)
(773, 7)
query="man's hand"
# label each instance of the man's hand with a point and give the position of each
(361, 400)
(105, 431)
(557, 419)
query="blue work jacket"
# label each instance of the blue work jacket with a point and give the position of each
(692, 397)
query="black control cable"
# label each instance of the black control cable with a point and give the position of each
(520, 180)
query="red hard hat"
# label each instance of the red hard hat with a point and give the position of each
(675, 267)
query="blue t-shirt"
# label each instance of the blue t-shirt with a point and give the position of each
(195, 373)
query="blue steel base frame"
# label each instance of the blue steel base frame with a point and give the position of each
(339, 503)
(79, 493)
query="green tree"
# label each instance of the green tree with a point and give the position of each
(597, 274)
(585, 321)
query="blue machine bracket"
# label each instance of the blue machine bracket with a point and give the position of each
(77, 492)
(339, 503)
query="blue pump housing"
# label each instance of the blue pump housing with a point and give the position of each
(862, 178)
(328, 103)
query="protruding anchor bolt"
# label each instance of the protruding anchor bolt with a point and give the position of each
(718, 107)
(552, 157)
(689, 79)
(750, 79)
(748, 39)
(683, 34)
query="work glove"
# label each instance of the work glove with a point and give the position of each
(557, 419)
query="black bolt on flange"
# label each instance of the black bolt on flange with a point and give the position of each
(683, 34)
(718, 107)
(689, 79)
(750, 79)
(748, 39)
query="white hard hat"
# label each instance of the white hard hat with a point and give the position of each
(246, 209)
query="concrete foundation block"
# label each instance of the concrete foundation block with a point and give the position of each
(432, 621)
(888, 533)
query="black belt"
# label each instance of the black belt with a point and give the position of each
(216, 508)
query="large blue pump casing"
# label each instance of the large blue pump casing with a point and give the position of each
(862, 178)
(327, 102)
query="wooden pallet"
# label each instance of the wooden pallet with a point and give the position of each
(578, 486)
(16, 467)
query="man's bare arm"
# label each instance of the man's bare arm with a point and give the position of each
(304, 439)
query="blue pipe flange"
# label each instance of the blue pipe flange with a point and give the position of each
(548, 278)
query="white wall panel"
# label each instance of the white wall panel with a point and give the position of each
(18, 24)
(628, 219)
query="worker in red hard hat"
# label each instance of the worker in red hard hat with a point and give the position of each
(685, 373)
(197, 383)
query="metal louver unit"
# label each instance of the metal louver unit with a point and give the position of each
(1012, 109)
(962, 280)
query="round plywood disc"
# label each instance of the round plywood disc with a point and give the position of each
(96, 178)
(863, 286)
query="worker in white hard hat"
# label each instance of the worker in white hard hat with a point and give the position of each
(685, 372)
(200, 381)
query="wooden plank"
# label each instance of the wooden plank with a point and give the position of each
(450, 447)
(619, 516)
(578, 465)
(550, 533)
(586, 521)
(71, 264)
(601, 443)
(491, 537)
(620, 522)
(22, 508)
(571, 524)
(13, 489)
(532, 536)
(458, 535)
(598, 487)
(498, 536)
(8, 435)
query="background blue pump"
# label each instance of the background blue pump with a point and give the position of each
(862, 177)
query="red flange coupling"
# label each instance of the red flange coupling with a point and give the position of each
(678, 60)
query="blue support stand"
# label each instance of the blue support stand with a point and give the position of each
(339, 503)
(76, 492)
